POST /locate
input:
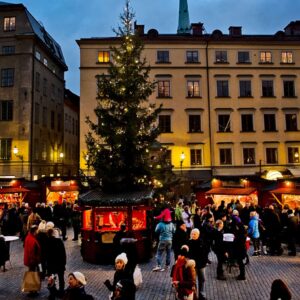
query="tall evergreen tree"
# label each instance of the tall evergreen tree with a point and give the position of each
(118, 145)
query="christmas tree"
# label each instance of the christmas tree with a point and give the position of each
(119, 144)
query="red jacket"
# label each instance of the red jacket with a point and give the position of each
(32, 251)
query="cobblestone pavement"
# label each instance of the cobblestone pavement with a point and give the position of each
(156, 285)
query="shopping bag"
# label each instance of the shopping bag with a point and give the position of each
(137, 276)
(31, 282)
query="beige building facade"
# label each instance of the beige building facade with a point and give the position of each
(230, 101)
(32, 87)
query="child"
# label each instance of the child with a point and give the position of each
(121, 273)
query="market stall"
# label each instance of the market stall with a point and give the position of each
(289, 196)
(244, 195)
(58, 190)
(102, 217)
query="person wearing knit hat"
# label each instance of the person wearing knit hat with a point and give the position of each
(121, 272)
(75, 290)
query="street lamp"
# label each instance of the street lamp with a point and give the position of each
(182, 158)
(16, 153)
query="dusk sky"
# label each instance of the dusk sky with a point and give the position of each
(69, 20)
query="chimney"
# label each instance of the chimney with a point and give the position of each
(139, 29)
(235, 30)
(197, 28)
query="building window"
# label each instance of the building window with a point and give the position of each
(52, 120)
(243, 57)
(249, 156)
(272, 155)
(293, 155)
(36, 113)
(9, 24)
(193, 89)
(222, 88)
(164, 88)
(7, 77)
(270, 122)
(38, 55)
(289, 88)
(196, 157)
(163, 56)
(247, 122)
(221, 56)
(45, 87)
(245, 88)
(103, 56)
(45, 61)
(5, 149)
(8, 50)
(224, 123)
(164, 123)
(6, 110)
(267, 88)
(59, 123)
(192, 56)
(53, 89)
(287, 57)
(265, 57)
(225, 156)
(37, 81)
(291, 122)
(194, 123)
(44, 120)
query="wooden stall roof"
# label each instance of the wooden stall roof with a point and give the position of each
(63, 188)
(10, 190)
(97, 197)
(231, 191)
(290, 191)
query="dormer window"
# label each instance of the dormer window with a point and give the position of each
(9, 24)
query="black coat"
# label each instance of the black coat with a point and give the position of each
(56, 255)
(198, 251)
(239, 243)
(180, 238)
(4, 252)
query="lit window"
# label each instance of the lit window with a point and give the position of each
(164, 88)
(193, 88)
(10, 24)
(265, 57)
(287, 57)
(103, 56)
(293, 155)
(196, 156)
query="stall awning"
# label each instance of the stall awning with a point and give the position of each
(286, 191)
(11, 190)
(97, 197)
(231, 191)
(63, 188)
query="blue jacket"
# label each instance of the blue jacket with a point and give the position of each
(165, 231)
(253, 227)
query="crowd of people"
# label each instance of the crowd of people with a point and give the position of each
(193, 232)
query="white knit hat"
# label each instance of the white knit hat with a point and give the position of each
(122, 257)
(80, 277)
(49, 225)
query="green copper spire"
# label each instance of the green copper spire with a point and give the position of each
(184, 26)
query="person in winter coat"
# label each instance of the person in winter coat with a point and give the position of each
(239, 248)
(198, 251)
(32, 250)
(120, 274)
(180, 238)
(33, 219)
(219, 248)
(4, 253)
(76, 221)
(56, 258)
(291, 232)
(42, 238)
(125, 290)
(184, 276)
(75, 290)
(253, 232)
(165, 230)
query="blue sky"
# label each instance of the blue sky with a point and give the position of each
(69, 20)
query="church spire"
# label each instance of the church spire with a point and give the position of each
(184, 26)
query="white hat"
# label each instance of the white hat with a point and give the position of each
(122, 257)
(49, 225)
(80, 277)
(235, 212)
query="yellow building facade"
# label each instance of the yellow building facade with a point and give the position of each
(230, 101)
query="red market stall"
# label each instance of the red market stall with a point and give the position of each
(12, 191)
(244, 195)
(102, 217)
(290, 196)
(58, 190)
